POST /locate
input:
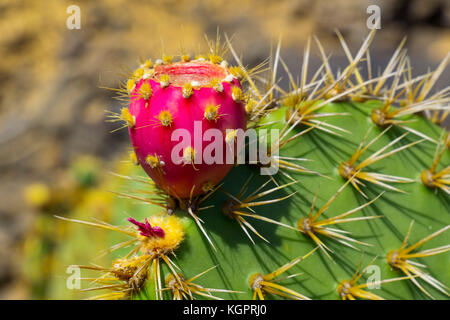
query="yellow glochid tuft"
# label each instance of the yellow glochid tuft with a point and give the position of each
(187, 90)
(165, 118)
(133, 158)
(167, 59)
(153, 161)
(137, 75)
(173, 235)
(125, 269)
(216, 59)
(147, 64)
(189, 155)
(164, 80)
(212, 112)
(145, 91)
(216, 84)
(250, 106)
(237, 95)
(237, 72)
(131, 84)
(185, 58)
(126, 116)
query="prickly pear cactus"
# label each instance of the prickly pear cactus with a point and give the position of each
(351, 200)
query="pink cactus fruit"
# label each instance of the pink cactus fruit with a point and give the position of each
(172, 96)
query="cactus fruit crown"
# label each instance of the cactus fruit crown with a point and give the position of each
(208, 231)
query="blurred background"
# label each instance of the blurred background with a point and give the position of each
(56, 148)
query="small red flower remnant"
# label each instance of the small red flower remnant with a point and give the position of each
(146, 229)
